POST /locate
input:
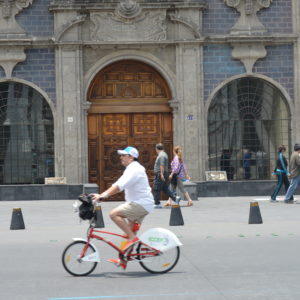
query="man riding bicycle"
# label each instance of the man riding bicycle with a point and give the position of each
(138, 197)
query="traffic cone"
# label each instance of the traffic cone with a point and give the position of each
(17, 221)
(99, 217)
(255, 216)
(176, 216)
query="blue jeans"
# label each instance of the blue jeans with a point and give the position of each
(292, 188)
(160, 185)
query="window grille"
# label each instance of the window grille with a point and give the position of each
(248, 120)
(26, 135)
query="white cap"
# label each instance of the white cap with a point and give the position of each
(129, 151)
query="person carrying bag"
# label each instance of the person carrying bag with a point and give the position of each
(178, 176)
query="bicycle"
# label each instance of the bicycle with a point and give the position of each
(157, 251)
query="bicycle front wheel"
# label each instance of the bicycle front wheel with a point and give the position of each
(163, 262)
(72, 259)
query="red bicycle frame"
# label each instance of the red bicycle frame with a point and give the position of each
(124, 254)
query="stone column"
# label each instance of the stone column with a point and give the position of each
(296, 111)
(70, 142)
(190, 127)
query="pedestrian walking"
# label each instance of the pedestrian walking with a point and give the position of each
(161, 180)
(295, 174)
(178, 176)
(281, 172)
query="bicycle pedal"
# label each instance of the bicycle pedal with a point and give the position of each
(118, 263)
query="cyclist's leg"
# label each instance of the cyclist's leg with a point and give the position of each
(118, 216)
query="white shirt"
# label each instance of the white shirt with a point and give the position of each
(136, 185)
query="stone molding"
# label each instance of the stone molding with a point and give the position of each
(248, 23)
(10, 56)
(248, 54)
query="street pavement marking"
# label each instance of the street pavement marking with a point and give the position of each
(128, 296)
(267, 292)
(279, 199)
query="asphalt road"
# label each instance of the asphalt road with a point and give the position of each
(223, 257)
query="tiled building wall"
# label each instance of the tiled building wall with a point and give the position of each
(278, 65)
(278, 17)
(219, 65)
(218, 62)
(218, 18)
(39, 68)
(2, 74)
(36, 19)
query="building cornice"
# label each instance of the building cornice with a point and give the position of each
(60, 5)
(204, 40)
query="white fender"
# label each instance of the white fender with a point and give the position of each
(93, 257)
(160, 239)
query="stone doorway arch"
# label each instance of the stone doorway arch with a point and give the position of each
(129, 106)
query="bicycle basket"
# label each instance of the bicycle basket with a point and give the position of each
(86, 209)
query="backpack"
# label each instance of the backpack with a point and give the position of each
(86, 209)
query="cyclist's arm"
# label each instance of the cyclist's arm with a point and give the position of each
(109, 192)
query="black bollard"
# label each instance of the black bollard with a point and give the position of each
(255, 216)
(17, 221)
(176, 218)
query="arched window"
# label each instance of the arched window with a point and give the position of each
(247, 120)
(26, 135)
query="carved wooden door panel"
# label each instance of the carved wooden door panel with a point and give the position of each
(129, 107)
(116, 131)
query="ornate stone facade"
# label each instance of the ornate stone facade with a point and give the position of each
(197, 46)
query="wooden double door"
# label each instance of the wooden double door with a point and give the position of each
(112, 131)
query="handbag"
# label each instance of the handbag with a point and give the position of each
(174, 178)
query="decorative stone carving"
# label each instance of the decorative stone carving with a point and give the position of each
(8, 10)
(67, 25)
(249, 54)
(10, 56)
(175, 17)
(248, 22)
(148, 26)
(128, 9)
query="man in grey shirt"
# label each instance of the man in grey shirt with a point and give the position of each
(161, 182)
(295, 174)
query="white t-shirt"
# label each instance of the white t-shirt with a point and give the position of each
(136, 185)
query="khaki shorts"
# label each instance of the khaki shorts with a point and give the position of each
(133, 212)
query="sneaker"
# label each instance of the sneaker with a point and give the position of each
(118, 263)
(130, 243)
(157, 206)
(273, 200)
(177, 199)
(289, 201)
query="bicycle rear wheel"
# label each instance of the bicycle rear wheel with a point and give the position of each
(163, 262)
(72, 259)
